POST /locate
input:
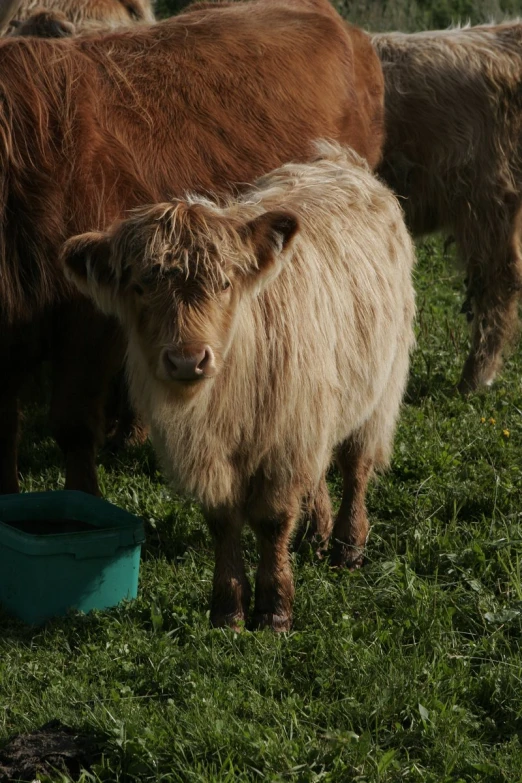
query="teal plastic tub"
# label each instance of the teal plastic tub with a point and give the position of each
(66, 550)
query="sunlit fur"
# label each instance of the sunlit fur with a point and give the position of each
(453, 150)
(85, 15)
(321, 352)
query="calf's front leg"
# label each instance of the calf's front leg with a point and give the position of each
(274, 593)
(231, 590)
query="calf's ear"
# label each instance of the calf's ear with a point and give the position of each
(88, 264)
(271, 234)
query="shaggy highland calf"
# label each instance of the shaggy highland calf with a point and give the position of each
(264, 335)
(454, 152)
(60, 18)
(93, 126)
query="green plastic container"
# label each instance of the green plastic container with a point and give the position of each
(65, 550)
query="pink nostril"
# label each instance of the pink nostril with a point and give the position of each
(185, 366)
(170, 361)
(205, 360)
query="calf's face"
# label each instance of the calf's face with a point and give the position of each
(175, 274)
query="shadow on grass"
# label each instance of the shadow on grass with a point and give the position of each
(73, 624)
(37, 449)
(172, 538)
(423, 386)
(129, 457)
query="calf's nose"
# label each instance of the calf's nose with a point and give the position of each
(188, 365)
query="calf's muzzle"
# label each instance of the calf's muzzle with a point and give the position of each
(192, 363)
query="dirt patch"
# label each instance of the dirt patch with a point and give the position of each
(53, 747)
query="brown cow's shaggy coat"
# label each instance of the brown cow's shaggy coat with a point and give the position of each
(90, 127)
(264, 334)
(453, 150)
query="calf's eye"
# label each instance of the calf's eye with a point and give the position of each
(225, 285)
(137, 289)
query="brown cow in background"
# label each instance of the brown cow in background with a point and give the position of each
(58, 18)
(91, 127)
(265, 334)
(454, 151)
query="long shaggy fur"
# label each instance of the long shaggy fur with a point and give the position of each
(320, 354)
(315, 355)
(453, 119)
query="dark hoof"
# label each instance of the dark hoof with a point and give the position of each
(346, 556)
(119, 441)
(466, 387)
(277, 622)
(474, 382)
(309, 544)
(235, 622)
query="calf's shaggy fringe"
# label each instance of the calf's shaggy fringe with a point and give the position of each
(314, 362)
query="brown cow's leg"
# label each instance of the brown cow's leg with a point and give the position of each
(351, 526)
(9, 422)
(20, 352)
(231, 589)
(274, 525)
(127, 427)
(87, 353)
(495, 280)
(495, 319)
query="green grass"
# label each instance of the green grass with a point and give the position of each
(409, 670)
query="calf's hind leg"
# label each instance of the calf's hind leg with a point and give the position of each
(231, 589)
(365, 449)
(316, 526)
(351, 525)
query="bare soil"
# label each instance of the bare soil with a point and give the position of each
(53, 747)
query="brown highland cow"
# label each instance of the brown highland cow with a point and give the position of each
(265, 334)
(453, 151)
(91, 127)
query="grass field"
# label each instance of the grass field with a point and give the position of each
(410, 669)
